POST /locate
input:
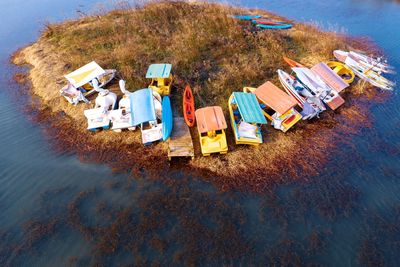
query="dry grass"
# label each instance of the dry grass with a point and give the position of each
(216, 55)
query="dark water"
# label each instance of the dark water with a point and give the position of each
(58, 211)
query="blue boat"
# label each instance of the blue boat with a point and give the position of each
(166, 118)
(278, 26)
(246, 17)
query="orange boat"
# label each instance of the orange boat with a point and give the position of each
(292, 63)
(188, 106)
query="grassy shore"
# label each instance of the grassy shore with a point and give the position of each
(216, 55)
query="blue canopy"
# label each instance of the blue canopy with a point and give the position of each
(142, 106)
(249, 108)
(159, 71)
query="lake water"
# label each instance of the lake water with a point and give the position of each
(59, 211)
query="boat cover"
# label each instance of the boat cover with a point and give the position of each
(330, 77)
(85, 74)
(142, 106)
(275, 98)
(159, 71)
(210, 119)
(249, 108)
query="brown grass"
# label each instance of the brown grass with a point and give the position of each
(216, 55)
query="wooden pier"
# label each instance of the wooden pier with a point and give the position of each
(180, 143)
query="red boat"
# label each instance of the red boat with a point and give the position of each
(292, 63)
(188, 106)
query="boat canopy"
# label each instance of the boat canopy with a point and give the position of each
(85, 74)
(249, 108)
(275, 98)
(330, 77)
(210, 119)
(142, 106)
(159, 71)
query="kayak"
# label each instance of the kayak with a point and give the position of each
(167, 122)
(279, 26)
(267, 22)
(246, 17)
(292, 63)
(188, 106)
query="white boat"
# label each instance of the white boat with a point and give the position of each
(312, 106)
(375, 64)
(121, 118)
(320, 89)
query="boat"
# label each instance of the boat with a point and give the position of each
(161, 78)
(276, 105)
(188, 107)
(278, 26)
(318, 87)
(167, 120)
(292, 63)
(80, 82)
(332, 79)
(312, 106)
(246, 118)
(98, 117)
(266, 21)
(246, 17)
(341, 69)
(121, 118)
(146, 112)
(375, 64)
(369, 75)
(211, 127)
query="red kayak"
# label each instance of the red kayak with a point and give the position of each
(292, 63)
(188, 106)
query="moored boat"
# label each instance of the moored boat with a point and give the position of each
(188, 107)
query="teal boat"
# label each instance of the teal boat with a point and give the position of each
(274, 26)
(166, 118)
(246, 17)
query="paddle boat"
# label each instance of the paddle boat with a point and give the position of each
(369, 75)
(161, 78)
(276, 105)
(188, 107)
(376, 64)
(98, 116)
(146, 114)
(246, 118)
(342, 70)
(121, 118)
(80, 82)
(318, 87)
(167, 119)
(211, 127)
(311, 105)
(332, 79)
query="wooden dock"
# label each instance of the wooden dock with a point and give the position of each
(180, 143)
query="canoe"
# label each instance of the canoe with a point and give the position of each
(188, 107)
(167, 121)
(342, 70)
(246, 17)
(280, 26)
(267, 22)
(292, 63)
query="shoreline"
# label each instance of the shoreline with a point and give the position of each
(125, 152)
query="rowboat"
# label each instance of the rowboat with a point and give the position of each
(312, 106)
(346, 73)
(188, 107)
(375, 64)
(211, 127)
(246, 118)
(167, 121)
(292, 63)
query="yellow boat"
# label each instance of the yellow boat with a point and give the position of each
(246, 118)
(161, 78)
(211, 126)
(276, 105)
(342, 70)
